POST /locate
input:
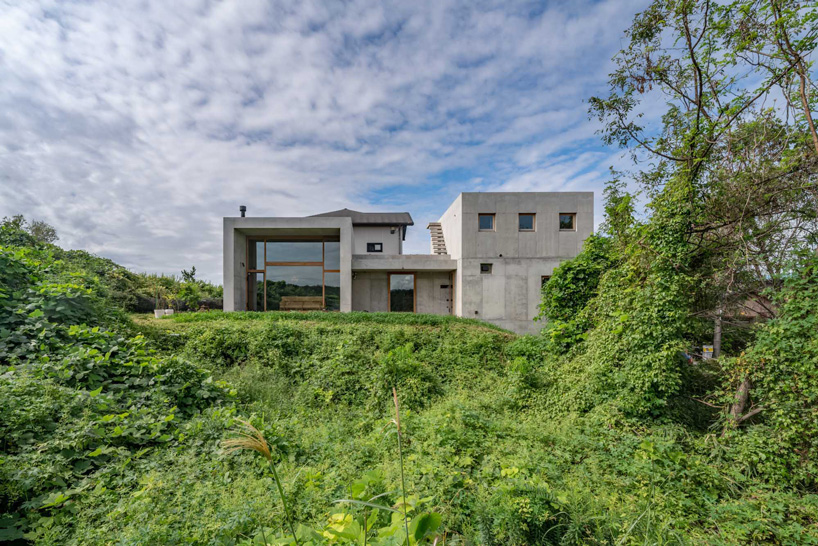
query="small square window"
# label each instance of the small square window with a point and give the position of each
(527, 221)
(568, 221)
(485, 222)
(374, 247)
(485, 269)
(544, 279)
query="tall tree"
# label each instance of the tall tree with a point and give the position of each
(730, 168)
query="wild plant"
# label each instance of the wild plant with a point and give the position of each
(343, 528)
(252, 439)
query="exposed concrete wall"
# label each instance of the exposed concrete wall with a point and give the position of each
(510, 295)
(508, 242)
(452, 225)
(234, 269)
(408, 262)
(392, 242)
(236, 231)
(370, 292)
(431, 296)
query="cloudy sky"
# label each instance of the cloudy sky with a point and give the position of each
(134, 126)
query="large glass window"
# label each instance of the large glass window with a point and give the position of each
(332, 291)
(255, 287)
(255, 258)
(332, 255)
(293, 275)
(402, 292)
(294, 252)
(294, 288)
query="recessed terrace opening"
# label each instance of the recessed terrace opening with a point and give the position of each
(293, 274)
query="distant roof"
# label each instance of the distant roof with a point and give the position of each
(371, 218)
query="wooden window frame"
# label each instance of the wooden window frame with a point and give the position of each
(573, 216)
(389, 290)
(533, 222)
(493, 221)
(544, 279)
(288, 238)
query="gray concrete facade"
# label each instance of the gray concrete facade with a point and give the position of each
(508, 294)
(389, 237)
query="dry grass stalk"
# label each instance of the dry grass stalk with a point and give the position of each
(252, 439)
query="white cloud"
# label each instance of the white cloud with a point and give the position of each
(133, 127)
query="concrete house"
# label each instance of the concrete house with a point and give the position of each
(489, 256)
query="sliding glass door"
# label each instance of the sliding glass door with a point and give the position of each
(402, 292)
(293, 275)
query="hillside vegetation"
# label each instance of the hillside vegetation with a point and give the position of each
(111, 430)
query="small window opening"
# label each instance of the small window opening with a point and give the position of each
(485, 222)
(374, 247)
(568, 221)
(485, 269)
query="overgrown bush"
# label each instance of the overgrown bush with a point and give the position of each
(77, 401)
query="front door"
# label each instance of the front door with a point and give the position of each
(445, 296)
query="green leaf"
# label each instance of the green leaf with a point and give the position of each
(425, 525)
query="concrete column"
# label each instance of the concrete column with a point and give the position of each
(346, 265)
(228, 283)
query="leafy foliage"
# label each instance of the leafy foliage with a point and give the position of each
(782, 365)
(133, 292)
(77, 402)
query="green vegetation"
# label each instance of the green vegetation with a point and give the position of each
(113, 435)
(603, 430)
(133, 292)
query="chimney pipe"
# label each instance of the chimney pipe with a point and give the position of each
(242, 210)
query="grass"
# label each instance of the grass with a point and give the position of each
(355, 317)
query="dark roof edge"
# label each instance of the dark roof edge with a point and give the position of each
(370, 218)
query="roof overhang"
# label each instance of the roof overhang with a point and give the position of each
(403, 262)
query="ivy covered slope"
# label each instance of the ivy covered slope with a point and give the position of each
(82, 405)
(111, 431)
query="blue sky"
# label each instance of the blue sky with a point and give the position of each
(134, 127)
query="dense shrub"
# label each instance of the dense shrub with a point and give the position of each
(782, 366)
(77, 402)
